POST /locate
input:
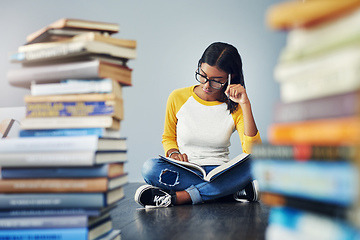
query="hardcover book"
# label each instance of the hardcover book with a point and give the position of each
(71, 122)
(100, 132)
(60, 200)
(319, 207)
(333, 106)
(102, 170)
(295, 14)
(76, 86)
(54, 73)
(71, 23)
(113, 108)
(66, 51)
(85, 36)
(213, 173)
(52, 144)
(330, 182)
(290, 223)
(62, 185)
(304, 152)
(61, 158)
(334, 131)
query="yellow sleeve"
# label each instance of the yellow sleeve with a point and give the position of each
(175, 100)
(246, 141)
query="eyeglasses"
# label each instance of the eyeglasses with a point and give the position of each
(213, 83)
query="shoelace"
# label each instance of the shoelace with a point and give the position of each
(162, 201)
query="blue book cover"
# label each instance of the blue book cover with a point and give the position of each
(58, 234)
(100, 132)
(60, 200)
(41, 222)
(52, 212)
(332, 182)
(308, 225)
(56, 172)
(68, 109)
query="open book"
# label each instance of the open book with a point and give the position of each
(213, 173)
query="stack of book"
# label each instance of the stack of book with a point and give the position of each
(308, 170)
(65, 172)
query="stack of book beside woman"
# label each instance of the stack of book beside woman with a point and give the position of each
(65, 172)
(308, 171)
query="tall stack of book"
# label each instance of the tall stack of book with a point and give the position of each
(65, 172)
(308, 170)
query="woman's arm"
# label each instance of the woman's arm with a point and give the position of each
(237, 93)
(169, 135)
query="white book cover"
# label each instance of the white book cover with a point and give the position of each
(321, 84)
(72, 87)
(76, 48)
(70, 122)
(339, 60)
(49, 144)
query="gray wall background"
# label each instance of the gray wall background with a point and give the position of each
(171, 37)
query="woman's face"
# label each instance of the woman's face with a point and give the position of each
(206, 73)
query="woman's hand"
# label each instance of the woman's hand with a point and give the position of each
(237, 93)
(174, 154)
(180, 156)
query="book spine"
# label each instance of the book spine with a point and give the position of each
(47, 159)
(41, 222)
(52, 200)
(92, 97)
(290, 15)
(58, 234)
(58, 172)
(331, 182)
(281, 200)
(316, 132)
(71, 122)
(68, 109)
(49, 212)
(334, 61)
(53, 185)
(49, 144)
(315, 86)
(23, 77)
(341, 105)
(338, 30)
(70, 87)
(303, 152)
(72, 49)
(67, 49)
(100, 132)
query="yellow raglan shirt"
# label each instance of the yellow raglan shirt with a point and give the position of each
(202, 129)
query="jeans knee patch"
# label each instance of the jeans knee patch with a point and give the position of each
(169, 177)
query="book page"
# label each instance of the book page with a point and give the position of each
(185, 164)
(231, 163)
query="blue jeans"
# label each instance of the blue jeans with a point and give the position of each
(167, 176)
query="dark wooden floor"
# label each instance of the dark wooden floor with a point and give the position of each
(220, 220)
